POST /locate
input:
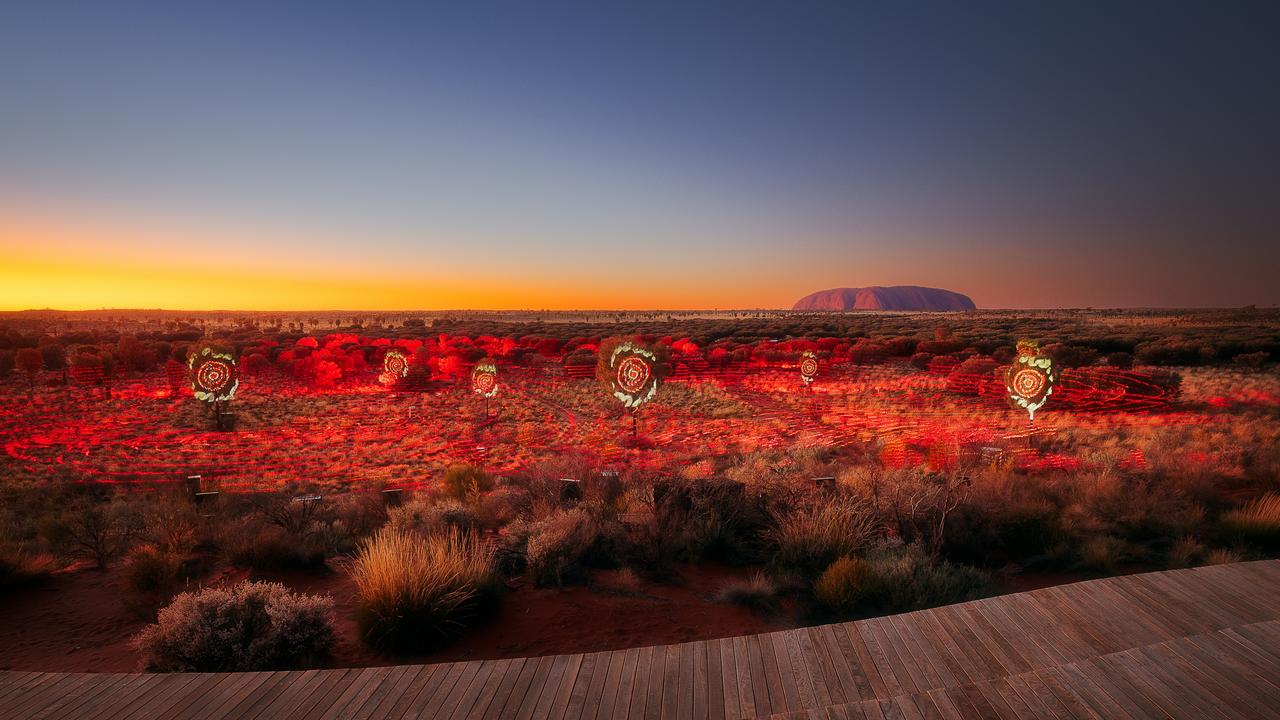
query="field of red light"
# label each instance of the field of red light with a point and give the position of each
(365, 436)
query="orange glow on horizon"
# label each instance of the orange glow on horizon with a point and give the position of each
(68, 267)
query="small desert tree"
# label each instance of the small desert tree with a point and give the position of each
(30, 362)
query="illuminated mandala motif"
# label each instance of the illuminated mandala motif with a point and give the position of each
(395, 363)
(633, 380)
(1030, 380)
(808, 367)
(214, 375)
(484, 379)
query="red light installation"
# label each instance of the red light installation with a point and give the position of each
(808, 367)
(484, 379)
(1030, 380)
(633, 377)
(395, 366)
(214, 375)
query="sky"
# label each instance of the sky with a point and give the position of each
(659, 155)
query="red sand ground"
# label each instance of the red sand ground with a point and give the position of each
(82, 621)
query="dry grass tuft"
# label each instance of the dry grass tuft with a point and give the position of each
(415, 592)
(1257, 523)
(811, 538)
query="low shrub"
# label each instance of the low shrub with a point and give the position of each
(713, 520)
(844, 585)
(426, 517)
(502, 506)
(1186, 552)
(1222, 556)
(416, 592)
(757, 593)
(19, 567)
(906, 578)
(150, 569)
(1102, 552)
(812, 537)
(1257, 523)
(250, 626)
(93, 530)
(557, 545)
(257, 545)
(463, 481)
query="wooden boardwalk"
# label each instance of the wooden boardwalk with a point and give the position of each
(1201, 643)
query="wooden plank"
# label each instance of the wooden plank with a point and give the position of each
(494, 699)
(773, 678)
(861, 659)
(756, 688)
(590, 677)
(394, 678)
(639, 699)
(975, 635)
(184, 704)
(37, 693)
(242, 706)
(657, 679)
(537, 687)
(672, 659)
(849, 682)
(563, 681)
(149, 699)
(77, 691)
(827, 686)
(600, 706)
(426, 679)
(699, 681)
(1220, 678)
(886, 670)
(715, 682)
(457, 705)
(789, 677)
(899, 653)
(925, 655)
(626, 686)
(1135, 704)
(519, 689)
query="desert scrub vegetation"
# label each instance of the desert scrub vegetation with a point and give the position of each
(463, 481)
(20, 567)
(557, 546)
(809, 538)
(249, 626)
(844, 585)
(150, 569)
(897, 579)
(1256, 523)
(710, 520)
(424, 516)
(416, 592)
(758, 593)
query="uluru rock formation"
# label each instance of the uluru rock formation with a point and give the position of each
(898, 297)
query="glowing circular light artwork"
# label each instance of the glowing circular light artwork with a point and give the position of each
(1030, 380)
(484, 379)
(395, 363)
(633, 373)
(633, 378)
(214, 375)
(808, 367)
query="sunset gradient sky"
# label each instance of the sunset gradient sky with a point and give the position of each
(648, 155)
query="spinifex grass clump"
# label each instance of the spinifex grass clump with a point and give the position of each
(416, 592)
(1257, 523)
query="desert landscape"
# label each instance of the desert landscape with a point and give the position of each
(665, 361)
(739, 499)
